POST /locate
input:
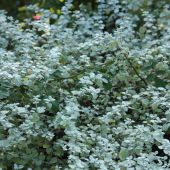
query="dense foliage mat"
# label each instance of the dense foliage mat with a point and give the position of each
(88, 90)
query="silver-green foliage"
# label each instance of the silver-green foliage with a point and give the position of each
(90, 92)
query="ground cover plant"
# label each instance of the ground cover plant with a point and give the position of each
(86, 90)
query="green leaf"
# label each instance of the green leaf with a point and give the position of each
(123, 154)
(162, 66)
(167, 113)
(4, 143)
(3, 92)
(55, 106)
(35, 117)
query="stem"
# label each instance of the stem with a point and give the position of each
(130, 63)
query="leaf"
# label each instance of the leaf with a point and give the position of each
(23, 8)
(49, 106)
(142, 31)
(3, 92)
(53, 160)
(40, 109)
(159, 82)
(123, 154)
(55, 106)
(4, 143)
(167, 113)
(162, 66)
(35, 117)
